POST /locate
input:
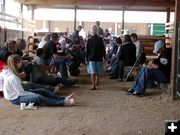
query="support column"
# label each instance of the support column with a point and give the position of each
(168, 17)
(175, 49)
(32, 15)
(22, 25)
(115, 28)
(49, 26)
(75, 17)
(123, 18)
(3, 23)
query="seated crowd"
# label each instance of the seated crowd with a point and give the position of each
(31, 72)
(35, 73)
(124, 52)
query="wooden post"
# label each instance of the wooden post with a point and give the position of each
(22, 17)
(75, 17)
(4, 24)
(123, 18)
(168, 17)
(175, 48)
(32, 15)
(49, 26)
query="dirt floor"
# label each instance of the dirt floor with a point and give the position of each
(106, 111)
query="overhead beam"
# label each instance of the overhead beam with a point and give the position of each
(110, 8)
(100, 2)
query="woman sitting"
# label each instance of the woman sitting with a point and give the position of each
(15, 93)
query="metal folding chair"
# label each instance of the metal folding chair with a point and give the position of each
(136, 65)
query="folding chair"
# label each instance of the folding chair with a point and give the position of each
(136, 65)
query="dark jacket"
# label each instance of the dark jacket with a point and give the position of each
(50, 49)
(76, 37)
(4, 54)
(127, 54)
(95, 48)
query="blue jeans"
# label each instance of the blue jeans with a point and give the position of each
(121, 70)
(30, 85)
(115, 68)
(146, 79)
(61, 65)
(42, 97)
(52, 80)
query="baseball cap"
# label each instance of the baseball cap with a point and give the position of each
(158, 44)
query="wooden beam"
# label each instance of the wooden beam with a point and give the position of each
(100, 2)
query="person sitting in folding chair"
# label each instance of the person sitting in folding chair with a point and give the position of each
(158, 70)
(137, 65)
(127, 55)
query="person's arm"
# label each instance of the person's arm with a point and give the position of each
(152, 64)
(120, 54)
(31, 48)
(139, 49)
(18, 88)
(56, 55)
(104, 50)
(87, 50)
(22, 75)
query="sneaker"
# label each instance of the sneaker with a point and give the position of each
(56, 89)
(30, 106)
(69, 102)
(74, 82)
(137, 93)
(129, 92)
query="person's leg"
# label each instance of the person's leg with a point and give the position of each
(38, 99)
(44, 92)
(48, 80)
(143, 81)
(97, 80)
(65, 82)
(114, 69)
(157, 75)
(93, 79)
(30, 85)
(63, 69)
(26, 99)
(121, 70)
(42, 100)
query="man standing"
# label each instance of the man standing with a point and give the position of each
(100, 31)
(95, 55)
